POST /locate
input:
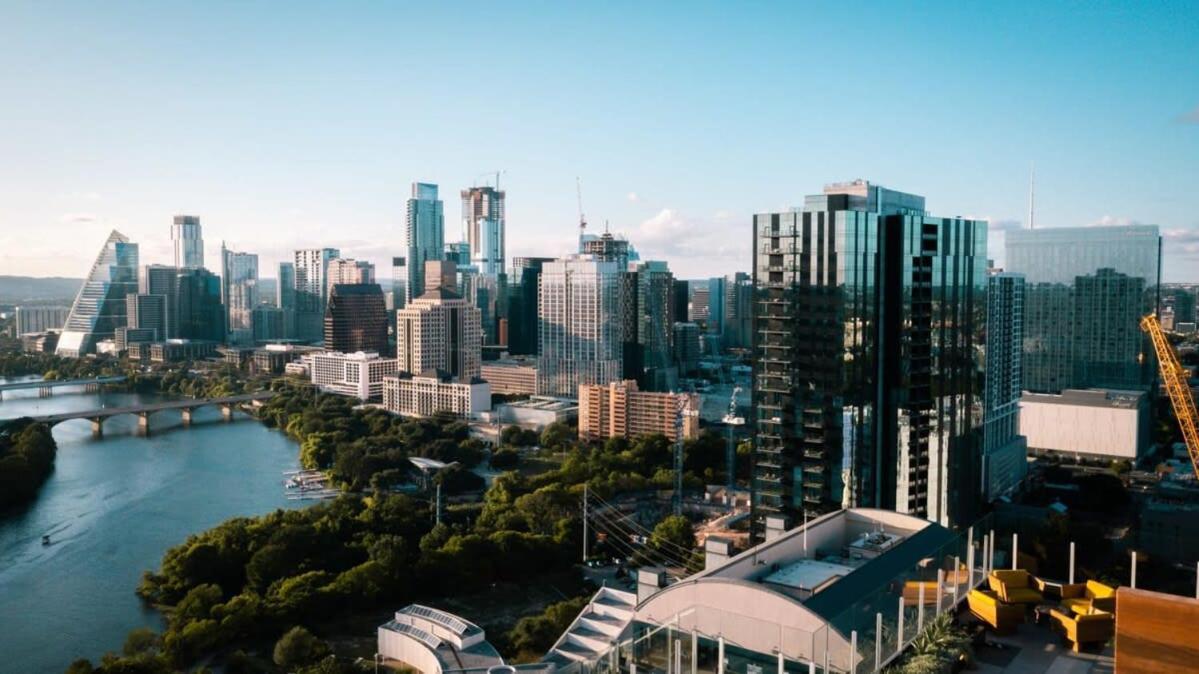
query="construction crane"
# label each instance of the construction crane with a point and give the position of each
(682, 409)
(730, 420)
(582, 220)
(1175, 379)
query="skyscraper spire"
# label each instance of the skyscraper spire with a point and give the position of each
(1032, 195)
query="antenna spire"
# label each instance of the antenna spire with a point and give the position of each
(582, 220)
(1032, 195)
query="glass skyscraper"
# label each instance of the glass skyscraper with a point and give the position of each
(312, 291)
(99, 307)
(483, 226)
(424, 236)
(239, 292)
(868, 356)
(187, 240)
(1087, 288)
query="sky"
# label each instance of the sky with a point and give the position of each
(302, 124)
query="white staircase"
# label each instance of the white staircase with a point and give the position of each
(596, 629)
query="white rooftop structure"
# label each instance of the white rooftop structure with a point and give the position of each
(433, 641)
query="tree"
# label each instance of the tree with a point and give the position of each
(299, 647)
(142, 640)
(556, 435)
(673, 533)
(535, 634)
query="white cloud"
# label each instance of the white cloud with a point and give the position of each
(695, 247)
(633, 197)
(1112, 221)
(78, 218)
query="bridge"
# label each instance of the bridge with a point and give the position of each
(45, 388)
(98, 416)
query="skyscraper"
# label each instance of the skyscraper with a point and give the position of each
(867, 382)
(162, 279)
(424, 235)
(738, 311)
(579, 325)
(201, 315)
(312, 291)
(483, 224)
(239, 293)
(188, 242)
(1076, 335)
(439, 330)
(99, 307)
(1004, 449)
(522, 304)
(350, 271)
(356, 319)
(285, 298)
(147, 312)
(650, 340)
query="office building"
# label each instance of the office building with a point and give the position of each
(359, 375)
(274, 358)
(458, 252)
(579, 327)
(147, 312)
(681, 298)
(356, 318)
(511, 376)
(1074, 336)
(31, 319)
(285, 297)
(124, 337)
(523, 288)
(648, 328)
(619, 410)
(424, 236)
(686, 348)
(698, 309)
(239, 293)
(1005, 451)
(867, 381)
(99, 307)
(200, 313)
(268, 323)
(312, 291)
(39, 342)
(483, 228)
(1091, 425)
(163, 280)
(609, 248)
(179, 350)
(738, 331)
(349, 272)
(188, 242)
(435, 392)
(1182, 301)
(439, 331)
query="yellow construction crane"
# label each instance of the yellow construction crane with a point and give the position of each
(1175, 379)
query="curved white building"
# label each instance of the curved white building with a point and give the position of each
(432, 641)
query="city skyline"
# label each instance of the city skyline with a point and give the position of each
(669, 154)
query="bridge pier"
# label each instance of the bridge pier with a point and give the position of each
(45, 392)
(186, 413)
(97, 427)
(227, 412)
(143, 423)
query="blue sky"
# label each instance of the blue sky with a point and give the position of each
(288, 125)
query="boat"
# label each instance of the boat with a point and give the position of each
(46, 539)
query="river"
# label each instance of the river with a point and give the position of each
(112, 507)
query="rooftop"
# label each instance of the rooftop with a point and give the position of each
(1088, 398)
(544, 403)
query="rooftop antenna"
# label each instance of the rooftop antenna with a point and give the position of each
(1032, 195)
(582, 220)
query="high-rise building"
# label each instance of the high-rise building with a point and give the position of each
(1063, 312)
(867, 381)
(285, 298)
(99, 307)
(312, 291)
(268, 323)
(608, 248)
(31, 319)
(424, 236)
(239, 293)
(483, 226)
(579, 325)
(356, 319)
(458, 252)
(649, 340)
(439, 330)
(716, 294)
(619, 410)
(188, 242)
(349, 271)
(201, 315)
(399, 282)
(440, 274)
(162, 279)
(522, 304)
(686, 348)
(147, 312)
(738, 311)
(1005, 451)
(359, 374)
(1182, 301)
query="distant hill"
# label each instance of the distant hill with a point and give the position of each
(18, 289)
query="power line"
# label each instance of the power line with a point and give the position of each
(609, 527)
(640, 528)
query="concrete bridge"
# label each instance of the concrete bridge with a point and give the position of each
(97, 416)
(46, 388)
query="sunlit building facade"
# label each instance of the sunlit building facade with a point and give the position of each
(100, 306)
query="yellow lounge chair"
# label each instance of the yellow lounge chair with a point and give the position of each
(1096, 627)
(1083, 598)
(986, 606)
(1013, 586)
(911, 592)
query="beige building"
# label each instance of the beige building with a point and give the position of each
(357, 374)
(511, 376)
(432, 392)
(439, 331)
(1091, 424)
(618, 409)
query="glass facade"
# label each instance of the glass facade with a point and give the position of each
(100, 307)
(425, 237)
(1087, 288)
(868, 356)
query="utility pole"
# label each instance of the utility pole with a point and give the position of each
(437, 507)
(681, 410)
(584, 523)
